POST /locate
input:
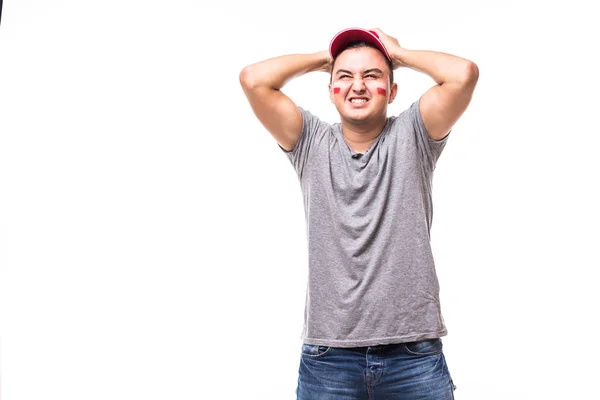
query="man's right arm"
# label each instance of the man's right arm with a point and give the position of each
(262, 83)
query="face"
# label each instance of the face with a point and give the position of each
(360, 85)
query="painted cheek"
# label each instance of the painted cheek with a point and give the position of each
(336, 90)
(381, 91)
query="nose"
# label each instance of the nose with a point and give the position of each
(358, 85)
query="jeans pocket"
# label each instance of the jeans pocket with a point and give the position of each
(427, 347)
(314, 350)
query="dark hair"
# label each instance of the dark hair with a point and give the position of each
(356, 45)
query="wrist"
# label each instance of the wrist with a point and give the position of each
(322, 61)
(398, 55)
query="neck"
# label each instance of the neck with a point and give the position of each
(360, 136)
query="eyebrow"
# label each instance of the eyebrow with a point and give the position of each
(374, 70)
(339, 71)
(370, 70)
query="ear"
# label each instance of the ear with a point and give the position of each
(393, 92)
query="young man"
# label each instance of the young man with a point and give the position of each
(372, 322)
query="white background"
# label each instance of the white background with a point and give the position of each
(152, 237)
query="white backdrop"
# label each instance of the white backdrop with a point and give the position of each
(152, 237)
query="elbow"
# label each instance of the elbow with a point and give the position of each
(247, 79)
(471, 74)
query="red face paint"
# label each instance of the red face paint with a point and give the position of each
(382, 91)
(336, 90)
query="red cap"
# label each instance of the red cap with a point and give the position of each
(350, 35)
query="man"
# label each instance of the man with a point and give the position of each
(372, 322)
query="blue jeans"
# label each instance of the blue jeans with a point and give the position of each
(403, 371)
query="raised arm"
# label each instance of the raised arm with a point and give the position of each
(443, 104)
(262, 83)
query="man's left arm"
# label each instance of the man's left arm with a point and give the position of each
(443, 104)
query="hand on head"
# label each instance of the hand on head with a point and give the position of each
(391, 44)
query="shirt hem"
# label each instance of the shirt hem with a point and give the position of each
(376, 341)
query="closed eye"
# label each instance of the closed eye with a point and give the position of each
(373, 73)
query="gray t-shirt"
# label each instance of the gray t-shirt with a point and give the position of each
(371, 272)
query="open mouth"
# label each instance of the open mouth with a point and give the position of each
(358, 100)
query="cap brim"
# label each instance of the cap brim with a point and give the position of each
(347, 36)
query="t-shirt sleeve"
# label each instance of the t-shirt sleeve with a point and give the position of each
(429, 149)
(312, 126)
